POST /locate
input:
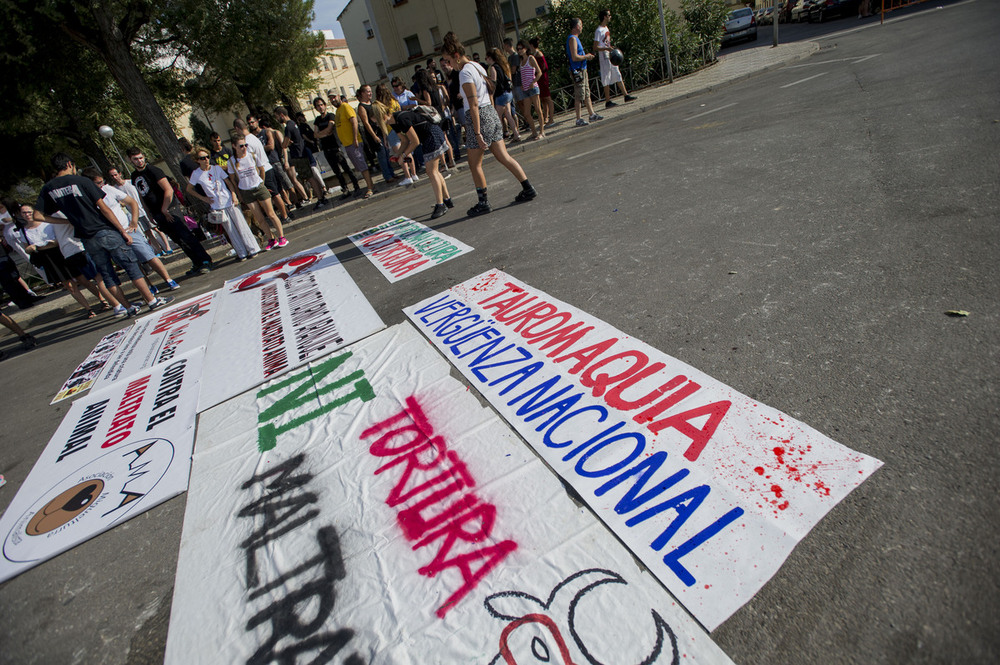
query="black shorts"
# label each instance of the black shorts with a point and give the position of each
(271, 182)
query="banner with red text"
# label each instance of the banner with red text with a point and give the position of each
(118, 452)
(709, 488)
(367, 509)
(280, 317)
(160, 337)
(404, 247)
(83, 377)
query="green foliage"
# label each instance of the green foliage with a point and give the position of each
(635, 29)
(200, 130)
(706, 19)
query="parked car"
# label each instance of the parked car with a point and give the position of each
(740, 24)
(824, 9)
(765, 16)
(800, 10)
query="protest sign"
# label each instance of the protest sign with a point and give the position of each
(403, 247)
(160, 337)
(708, 487)
(118, 452)
(367, 509)
(83, 376)
(279, 317)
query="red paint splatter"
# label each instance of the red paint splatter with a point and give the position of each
(708, 586)
(759, 470)
(780, 453)
(782, 506)
(777, 490)
(821, 487)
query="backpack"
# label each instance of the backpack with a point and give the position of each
(430, 113)
(503, 81)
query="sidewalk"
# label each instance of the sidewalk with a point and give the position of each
(730, 68)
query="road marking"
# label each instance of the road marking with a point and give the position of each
(590, 152)
(810, 78)
(707, 112)
(855, 59)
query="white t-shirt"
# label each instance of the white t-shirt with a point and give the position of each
(113, 198)
(246, 170)
(257, 148)
(603, 37)
(14, 239)
(406, 99)
(475, 74)
(40, 235)
(213, 182)
(133, 193)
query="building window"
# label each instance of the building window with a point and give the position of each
(351, 91)
(435, 37)
(413, 47)
(343, 61)
(368, 29)
(326, 67)
(507, 11)
(381, 70)
(343, 93)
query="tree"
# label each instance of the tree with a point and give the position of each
(491, 20)
(249, 52)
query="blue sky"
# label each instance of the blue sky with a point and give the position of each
(326, 16)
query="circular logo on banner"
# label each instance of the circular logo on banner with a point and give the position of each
(103, 492)
(276, 271)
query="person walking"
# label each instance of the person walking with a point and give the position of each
(82, 203)
(503, 94)
(531, 72)
(416, 129)
(578, 59)
(610, 74)
(220, 194)
(483, 128)
(247, 175)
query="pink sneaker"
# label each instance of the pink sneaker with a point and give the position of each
(271, 244)
(282, 241)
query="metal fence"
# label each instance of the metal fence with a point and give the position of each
(681, 63)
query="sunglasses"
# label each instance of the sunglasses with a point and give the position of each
(203, 157)
(241, 145)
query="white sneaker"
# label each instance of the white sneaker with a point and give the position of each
(415, 178)
(405, 182)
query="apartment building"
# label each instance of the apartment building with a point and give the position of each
(336, 72)
(390, 37)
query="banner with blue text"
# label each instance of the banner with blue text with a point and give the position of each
(366, 508)
(709, 488)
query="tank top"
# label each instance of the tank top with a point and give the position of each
(370, 112)
(527, 75)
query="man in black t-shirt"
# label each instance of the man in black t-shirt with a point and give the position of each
(299, 156)
(93, 223)
(158, 197)
(326, 132)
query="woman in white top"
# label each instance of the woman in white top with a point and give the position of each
(482, 126)
(41, 242)
(248, 175)
(221, 195)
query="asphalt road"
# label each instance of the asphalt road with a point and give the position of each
(798, 236)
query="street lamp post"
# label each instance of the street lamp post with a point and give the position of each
(666, 43)
(109, 134)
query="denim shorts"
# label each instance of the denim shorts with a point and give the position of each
(504, 99)
(531, 92)
(140, 247)
(107, 246)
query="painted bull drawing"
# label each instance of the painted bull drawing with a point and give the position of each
(547, 631)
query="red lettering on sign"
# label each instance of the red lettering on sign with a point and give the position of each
(434, 494)
(282, 270)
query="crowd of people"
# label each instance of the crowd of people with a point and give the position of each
(86, 226)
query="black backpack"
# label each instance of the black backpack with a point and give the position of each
(503, 81)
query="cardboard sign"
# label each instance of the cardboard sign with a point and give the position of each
(118, 452)
(160, 337)
(404, 247)
(278, 318)
(708, 487)
(83, 377)
(367, 509)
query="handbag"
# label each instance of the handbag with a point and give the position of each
(216, 217)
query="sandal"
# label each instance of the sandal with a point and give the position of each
(90, 314)
(368, 194)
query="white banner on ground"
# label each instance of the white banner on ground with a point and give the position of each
(404, 247)
(160, 337)
(280, 317)
(367, 509)
(83, 377)
(711, 489)
(118, 452)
